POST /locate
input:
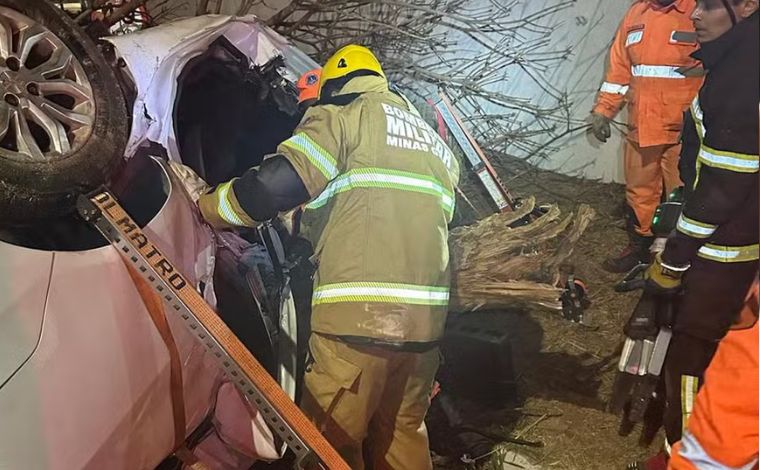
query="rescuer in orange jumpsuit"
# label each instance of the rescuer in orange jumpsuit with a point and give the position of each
(649, 68)
(722, 430)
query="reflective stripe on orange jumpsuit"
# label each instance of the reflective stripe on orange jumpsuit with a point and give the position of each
(648, 57)
(722, 431)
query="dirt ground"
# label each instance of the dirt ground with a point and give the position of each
(565, 371)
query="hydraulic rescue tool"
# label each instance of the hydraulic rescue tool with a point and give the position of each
(648, 331)
(285, 419)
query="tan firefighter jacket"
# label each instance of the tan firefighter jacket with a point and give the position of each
(382, 183)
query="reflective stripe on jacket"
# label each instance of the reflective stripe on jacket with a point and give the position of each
(648, 59)
(382, 185)
(720, 215)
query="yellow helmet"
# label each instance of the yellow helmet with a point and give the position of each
(347, 60)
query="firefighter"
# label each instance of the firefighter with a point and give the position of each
(722, 430)
(379, 186)
(650, 68)
(711, 259)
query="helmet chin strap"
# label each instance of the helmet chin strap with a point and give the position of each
(731, 12)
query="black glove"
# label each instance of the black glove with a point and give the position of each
(600, 126)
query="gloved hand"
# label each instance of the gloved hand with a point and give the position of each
(600, 126)
(193, 184)
(662, 278)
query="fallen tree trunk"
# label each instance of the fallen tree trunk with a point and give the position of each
(500, 262)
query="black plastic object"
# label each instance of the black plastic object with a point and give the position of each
(633, 280)
(239, 309)
(643, 321)
(575, 302)
(478, 363)
(666, 215)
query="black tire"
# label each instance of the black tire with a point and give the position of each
(31, 192)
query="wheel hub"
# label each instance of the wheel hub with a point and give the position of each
(15, 83)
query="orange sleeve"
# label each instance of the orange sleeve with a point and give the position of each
(618, 77)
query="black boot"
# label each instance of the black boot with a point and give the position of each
(636, 252)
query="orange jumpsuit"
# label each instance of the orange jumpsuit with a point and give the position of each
(649, 59)
(722, 431)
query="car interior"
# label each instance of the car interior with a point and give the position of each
(229, 116)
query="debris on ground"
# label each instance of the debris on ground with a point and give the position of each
(514, 258)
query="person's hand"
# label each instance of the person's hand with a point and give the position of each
(193, 184)
(662, 278)
(600, 126)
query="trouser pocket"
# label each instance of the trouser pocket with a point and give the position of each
(327, 380)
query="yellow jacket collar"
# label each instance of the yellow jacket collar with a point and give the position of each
(365, 84)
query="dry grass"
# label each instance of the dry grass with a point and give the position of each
(565, 370)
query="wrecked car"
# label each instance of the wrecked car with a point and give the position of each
(88, 376)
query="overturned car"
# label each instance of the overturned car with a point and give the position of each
(89, 376)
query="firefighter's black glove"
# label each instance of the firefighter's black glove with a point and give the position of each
(643, 321)
(600, 126)
(662, 278)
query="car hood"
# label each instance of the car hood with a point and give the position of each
(155, 57)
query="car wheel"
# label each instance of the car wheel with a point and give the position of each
(63, 118)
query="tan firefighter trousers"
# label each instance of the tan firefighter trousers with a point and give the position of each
(370, 402)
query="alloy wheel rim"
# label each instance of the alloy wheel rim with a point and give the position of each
(47, 105)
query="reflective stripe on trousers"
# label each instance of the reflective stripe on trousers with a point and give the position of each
(689, 389)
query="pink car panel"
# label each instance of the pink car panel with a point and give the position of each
(95, 393)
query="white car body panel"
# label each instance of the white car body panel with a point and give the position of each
(156, 56)
(22, 305)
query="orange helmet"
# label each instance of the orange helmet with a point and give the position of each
(308, 85)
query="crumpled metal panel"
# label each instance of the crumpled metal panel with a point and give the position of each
(156, 56)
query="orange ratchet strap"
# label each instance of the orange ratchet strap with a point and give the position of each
(249, 376)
